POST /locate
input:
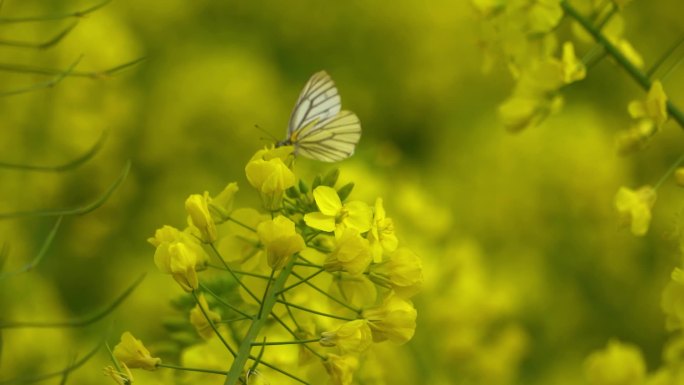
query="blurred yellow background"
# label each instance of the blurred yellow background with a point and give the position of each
(527, 270)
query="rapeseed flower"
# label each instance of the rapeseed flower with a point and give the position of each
(132, 353)
(334, 216)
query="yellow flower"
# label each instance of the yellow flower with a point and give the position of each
(653, 108)
(223, 202)
(634, 207)
(394, 320)
(618, 364)
(636, 137)
(403, 272)
(543, 15)
(334, 216)
(132, 353)
(197, 207)
(200, 322)
(350, 337)
(672, 301)
(381, 236)
(573, 68)
(281, 240)
(121, 378)
(269, 173)
(178, 254)
(351, 254)
(340, 368)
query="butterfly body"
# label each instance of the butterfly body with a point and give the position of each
(318, 128)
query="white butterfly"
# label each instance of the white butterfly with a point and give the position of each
(318, 129)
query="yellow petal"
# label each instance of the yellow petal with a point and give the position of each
(327, 200)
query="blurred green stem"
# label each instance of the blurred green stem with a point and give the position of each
(615, 53)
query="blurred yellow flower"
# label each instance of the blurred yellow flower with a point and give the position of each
(200, 322)
(573, 68)
(672, 301)
(121, 378)
(394, 320)
(519, 113)
(197, 207)
(618, 364)
(281, 240)
(334, 216)
(381, 236)
(340, 368)
(542, 15)
(679, 176)
(351, 254)
(634, 207)
(402, 271)
(269, 173)
(350, 337)
(636, 137)
(653, 108)
(132, 353)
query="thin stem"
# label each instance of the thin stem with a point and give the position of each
(315, 311)
(250, 228)
(81, 13)
(613, 51)
(176, 367)
(297, 342)
(669, 172)
(45, 376)
(611, 12)
(224, 303)
(211, 323)
(42, 45)
(61, 167)
(651, 71)
(39, 257)
(301, 282)
(78, 322)
(76, 210)
(232, 273)
(240, 272)
(277, 369)
(294, 335)
(328, 295)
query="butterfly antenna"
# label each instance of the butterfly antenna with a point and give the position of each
(270, 136)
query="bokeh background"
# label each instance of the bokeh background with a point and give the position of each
(527, 270)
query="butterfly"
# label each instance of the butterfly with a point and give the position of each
(318, 128)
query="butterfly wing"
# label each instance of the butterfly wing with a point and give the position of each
(318, 101)
(332, 139)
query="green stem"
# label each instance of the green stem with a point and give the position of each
(342, 303)
(615, 53)
(256, 326)
(669, 172)
(211, 323)
(232, 273)
(250, 228)
(224, 303)
(297, 342)
(294, 335)
(302, 281)
(315, 311)
(210, 371)
(651, 71)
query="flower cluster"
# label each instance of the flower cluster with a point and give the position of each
(313, 270)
